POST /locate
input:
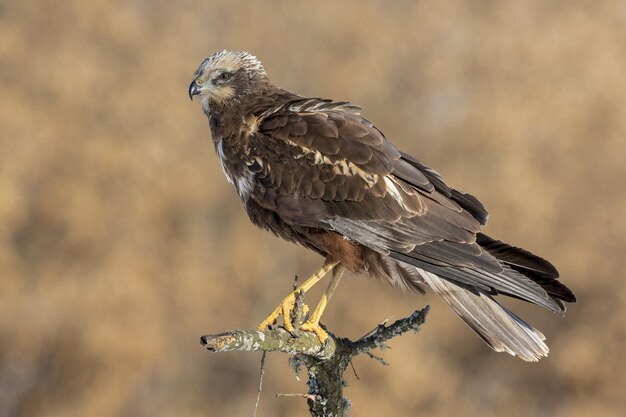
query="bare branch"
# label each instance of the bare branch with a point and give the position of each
(276, 340)
(325, 363)
(385, 333)
(258, 394)
(297, 394)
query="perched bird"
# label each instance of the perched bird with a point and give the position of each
(315, 172)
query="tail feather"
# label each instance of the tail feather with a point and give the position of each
(516, 256)
(508, 281)
(529, 265)
(501, 329)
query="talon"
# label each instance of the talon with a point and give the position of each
(292, 313)
(284, 309)
(314, 327)
(269, 321)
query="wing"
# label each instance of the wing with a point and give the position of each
(324, 154)
(319, 163)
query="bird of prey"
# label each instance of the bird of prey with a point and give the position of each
(315, 172)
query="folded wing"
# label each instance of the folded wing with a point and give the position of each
(319, 163)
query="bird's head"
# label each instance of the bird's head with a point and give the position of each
(226, 77)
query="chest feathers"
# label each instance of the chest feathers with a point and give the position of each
(234, 172)
(230, 135)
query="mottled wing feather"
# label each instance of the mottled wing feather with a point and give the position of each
(316, 153)
(323, 165)
(466, 201)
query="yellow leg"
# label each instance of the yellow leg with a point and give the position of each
(313, 323)
(288, 303)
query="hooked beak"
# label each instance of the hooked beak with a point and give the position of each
(193, 89)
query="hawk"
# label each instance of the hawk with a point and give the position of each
(315, 172)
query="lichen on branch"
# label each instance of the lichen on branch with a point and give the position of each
(325, 362)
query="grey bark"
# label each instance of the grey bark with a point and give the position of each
(325, 363)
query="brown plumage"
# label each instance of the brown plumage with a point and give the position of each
(315, 172)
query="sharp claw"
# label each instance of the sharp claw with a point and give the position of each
(326, 342)
(269, 321)
(314, 327)
(293, 305)
(284, 309)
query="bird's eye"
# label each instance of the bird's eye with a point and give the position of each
(225, 76)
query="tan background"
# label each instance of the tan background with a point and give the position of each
(121, 243)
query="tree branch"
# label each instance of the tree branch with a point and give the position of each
(325, 363)
(385, 333)
(276, 340)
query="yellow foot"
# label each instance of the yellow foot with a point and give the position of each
(314, 326)
(285, 308)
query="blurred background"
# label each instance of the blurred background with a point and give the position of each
(121, 242)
